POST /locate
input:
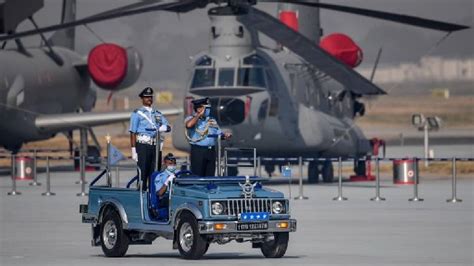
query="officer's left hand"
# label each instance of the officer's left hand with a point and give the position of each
(164, 128)
(227, 135)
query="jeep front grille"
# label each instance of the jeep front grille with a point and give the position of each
(233, 207)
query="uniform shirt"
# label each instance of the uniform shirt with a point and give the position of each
(160, 179)
(141, 125)
(201, 125)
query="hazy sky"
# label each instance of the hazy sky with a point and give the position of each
(166, 41)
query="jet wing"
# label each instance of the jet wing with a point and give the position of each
(70, 121)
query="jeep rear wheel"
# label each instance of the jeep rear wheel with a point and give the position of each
(113, 239)
(191, 244)
(275, 248)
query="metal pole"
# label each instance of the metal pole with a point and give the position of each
(83, 177)
(259, 162)
(255, 162)
(454, 198)
(109, 174)
(82, 153)
(157, 149)
(300, 165)
(225, 162)
(117, 177)
(219, 159)
(13, 173)
(415, 186)
(35, 170)
(48, 180)
(339, 195)
(426, 142)
(377, 181)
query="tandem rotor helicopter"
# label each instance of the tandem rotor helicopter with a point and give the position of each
(298, 98)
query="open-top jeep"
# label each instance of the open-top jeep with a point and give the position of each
(202, 210)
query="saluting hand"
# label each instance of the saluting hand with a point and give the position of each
(201, 113)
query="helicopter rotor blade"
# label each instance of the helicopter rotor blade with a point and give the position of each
(309, 51)
(383, 15)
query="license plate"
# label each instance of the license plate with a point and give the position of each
(252, 226)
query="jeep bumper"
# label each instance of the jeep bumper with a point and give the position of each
(224, 227)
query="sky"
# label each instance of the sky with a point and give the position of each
(166, 40)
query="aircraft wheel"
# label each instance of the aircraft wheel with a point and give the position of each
(277, 247)
(269, 168)
(113, 239)
(313, 173)
(328, 172)
(191, 244)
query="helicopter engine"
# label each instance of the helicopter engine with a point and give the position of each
(343, 48)
(113, 67)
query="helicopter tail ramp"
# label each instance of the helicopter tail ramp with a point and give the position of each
(13, 12)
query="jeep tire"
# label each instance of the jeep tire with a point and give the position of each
(113, 239)
(191, 245)
(277, 247)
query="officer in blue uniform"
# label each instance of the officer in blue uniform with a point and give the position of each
(144, 124)
(200, 127)
(162, 181)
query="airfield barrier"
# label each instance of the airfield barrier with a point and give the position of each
(259, 163)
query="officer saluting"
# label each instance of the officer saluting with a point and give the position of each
(198, 128)
(144, 124)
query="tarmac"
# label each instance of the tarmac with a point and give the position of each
(40, 230)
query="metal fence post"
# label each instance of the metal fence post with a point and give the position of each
(377, 181)
(35, 170)
(339, 196)
(415, 186)
(454, 184)
(83, 177)
(48, 180)
(14, 192)
(300, 166)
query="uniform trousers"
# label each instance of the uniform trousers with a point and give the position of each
(203, 160)
(146, 161)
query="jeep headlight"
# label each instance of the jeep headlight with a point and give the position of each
(278, 207)
(217, 208)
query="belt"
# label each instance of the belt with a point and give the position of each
(203, 147)
(145, 139)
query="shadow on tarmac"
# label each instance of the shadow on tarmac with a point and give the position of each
(212, 256)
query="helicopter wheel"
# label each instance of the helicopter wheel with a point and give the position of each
(313, 173)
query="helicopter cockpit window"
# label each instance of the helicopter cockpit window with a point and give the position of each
(226, 77)
(203, 77)
(251, 77)
(204, 61)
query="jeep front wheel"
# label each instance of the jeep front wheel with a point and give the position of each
(113, 239)
(191, 244)
(275, 248)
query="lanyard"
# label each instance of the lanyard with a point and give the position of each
(147, 118)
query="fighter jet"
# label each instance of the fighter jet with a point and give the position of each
(294, 99)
